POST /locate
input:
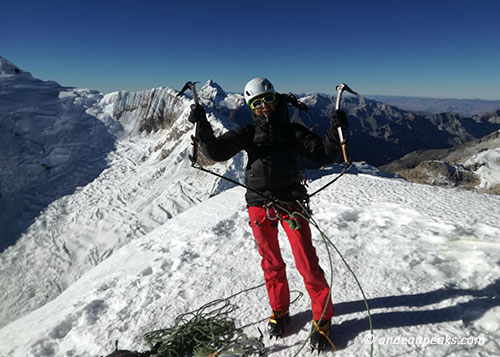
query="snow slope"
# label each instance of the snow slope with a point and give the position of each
(426, 256)
(83, 174)
(488, 168)
(49, 146)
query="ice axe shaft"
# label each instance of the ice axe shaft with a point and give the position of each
(340, 89)
(344, 147)
(195, 141)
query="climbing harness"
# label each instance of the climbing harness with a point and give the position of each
(268, 198)
(274, 213)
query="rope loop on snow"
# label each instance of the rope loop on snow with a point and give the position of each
(208, 331)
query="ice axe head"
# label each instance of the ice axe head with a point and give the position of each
(192, 87)
(340, 89)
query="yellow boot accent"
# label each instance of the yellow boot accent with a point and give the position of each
(325, 330)
(274, 317)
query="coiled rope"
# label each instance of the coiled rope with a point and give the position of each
(208, 331)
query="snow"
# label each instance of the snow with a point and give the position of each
(126, 248)
(79, 183)
(427, 258)
(488, 162)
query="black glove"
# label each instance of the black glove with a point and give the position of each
(293, 101)
(339, 119)
(197, 113)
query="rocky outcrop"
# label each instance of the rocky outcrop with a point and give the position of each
(441, 173)
(472, 165)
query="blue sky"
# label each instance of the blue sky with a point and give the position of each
(440, 48)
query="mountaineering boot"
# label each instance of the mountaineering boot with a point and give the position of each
(320, 337)
(277, 323)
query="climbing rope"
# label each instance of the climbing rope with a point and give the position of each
(344, 170)
(209, 331)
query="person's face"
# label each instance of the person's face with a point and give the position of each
(264, 105)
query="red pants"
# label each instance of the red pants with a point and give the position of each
(265, 231)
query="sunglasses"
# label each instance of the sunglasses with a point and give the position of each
(257, 103)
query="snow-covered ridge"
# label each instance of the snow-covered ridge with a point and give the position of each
(144, 111)
(84, 173)
(8, 69)
(489, 169)
(49, 146)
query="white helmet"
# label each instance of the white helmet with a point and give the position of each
(256, 87)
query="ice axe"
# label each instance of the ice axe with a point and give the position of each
(340, 89)
(192, 87)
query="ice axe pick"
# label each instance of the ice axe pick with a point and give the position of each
(192, 86)
(340, 89)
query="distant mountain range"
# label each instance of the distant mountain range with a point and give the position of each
(465, 107)
(381, 133)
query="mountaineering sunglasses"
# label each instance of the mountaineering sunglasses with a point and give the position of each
(257, 103)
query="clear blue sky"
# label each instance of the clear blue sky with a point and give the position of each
(440, 48)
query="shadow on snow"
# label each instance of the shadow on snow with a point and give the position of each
(479, 303)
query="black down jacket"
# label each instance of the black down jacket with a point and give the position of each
(273, 147)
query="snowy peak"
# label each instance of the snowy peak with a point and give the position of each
(46, 143)
(8, 69)
(212, 91)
